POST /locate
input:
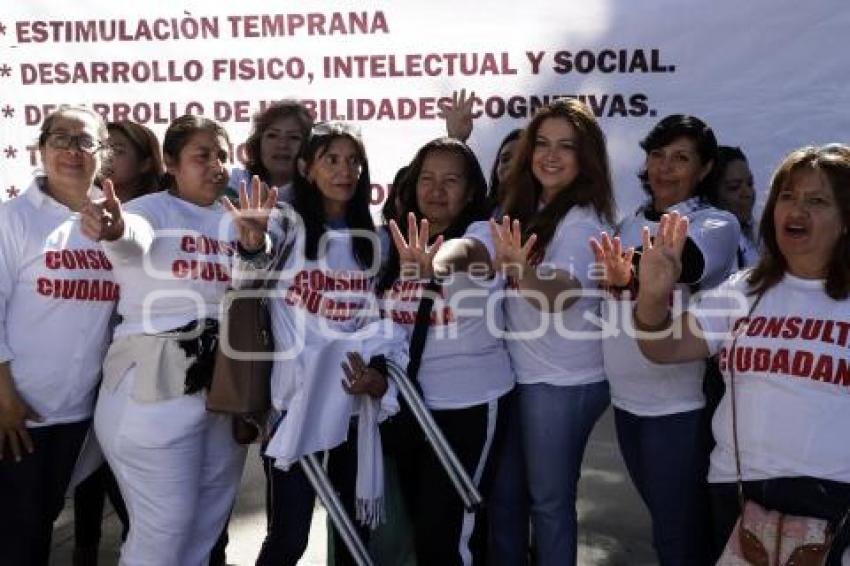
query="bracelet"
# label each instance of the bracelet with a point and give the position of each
(643, 327)
(247, 254)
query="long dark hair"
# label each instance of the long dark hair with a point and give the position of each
(833, 162)
(476, 208)
(592, 186)
(308, 198)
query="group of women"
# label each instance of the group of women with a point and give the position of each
(495, 290)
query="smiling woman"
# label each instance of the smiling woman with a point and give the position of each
(659, 410)
(57, 294)
(462, 368)
(272, 147)
(790, 406)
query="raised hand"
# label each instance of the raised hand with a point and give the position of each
(103, 220)
(252, 216)
(616, 265)
(415, 255)
(360, 378)
(511, 256)
(661, 260)
(458, 116)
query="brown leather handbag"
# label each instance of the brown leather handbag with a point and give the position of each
(241, 379)
(241, 382)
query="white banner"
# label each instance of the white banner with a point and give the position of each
(767, 75)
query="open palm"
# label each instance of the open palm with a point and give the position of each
(415, 255)
(511, 255)
(252, 216)
(616, 265)
(661, 261)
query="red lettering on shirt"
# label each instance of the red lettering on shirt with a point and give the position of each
(78, 289)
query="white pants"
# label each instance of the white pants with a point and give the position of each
(178, 468)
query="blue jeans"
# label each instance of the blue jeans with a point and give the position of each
(667, 459)
(507, 509)
(556, 422)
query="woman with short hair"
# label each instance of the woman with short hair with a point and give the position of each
(780, 332)
(57, 294)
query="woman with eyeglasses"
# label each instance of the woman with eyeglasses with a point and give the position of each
(331, 256)
(177, 464)
(57, 294)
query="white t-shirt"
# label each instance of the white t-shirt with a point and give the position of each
(317, 301)
(562, 348)
(637, 384)
(792, 380)
(173, 263)
(57, 294)
(464, 362)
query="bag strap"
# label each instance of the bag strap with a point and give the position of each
(735, 335)
(836, 527)
(420, 330)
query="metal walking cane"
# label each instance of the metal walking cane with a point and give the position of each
(461, 481)
(318, 478)
(448, 459)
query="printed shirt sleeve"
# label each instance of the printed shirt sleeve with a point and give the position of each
(11, 248)
(716, 236)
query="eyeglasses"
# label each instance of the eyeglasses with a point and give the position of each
(83, 142)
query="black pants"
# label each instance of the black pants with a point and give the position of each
(444, 533)
(89, 498)
(32, 492)
(290, 500)
(810, 497)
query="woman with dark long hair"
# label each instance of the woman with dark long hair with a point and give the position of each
(557, 191)
(463, 369)
(330, 255)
